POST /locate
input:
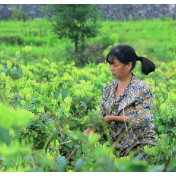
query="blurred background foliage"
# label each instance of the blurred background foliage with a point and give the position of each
(153, 38)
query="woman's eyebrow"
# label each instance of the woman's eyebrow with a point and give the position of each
(113, 63)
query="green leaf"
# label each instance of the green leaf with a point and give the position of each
(24, 83)
(18, 68)
(56, 94)
(76, 119)
(43, 72)
(47, 141)
(16, 106)
(70, 144)
(45, 100)
(3, 70)
(30, 124)
(28, 85)
(44, 162)
(15, 71)
(60, 116)
(64, 94)
(33, 108)
(161, 128)
(84, 148)
(167, 141)
(84, 104)
(156, 169)
(61, 110)
(50, 121)
(93, 137)
(79, 165)
(165, 110)
(172, 165)
(33, 100)
(101, 87)
(25, 62)
(19, 100)
(4, 136)
(35, 95)
(27, 104)
(78, 153)
(21, 57)
(61, 163)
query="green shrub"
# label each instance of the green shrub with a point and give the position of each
(76, 22)
(11, 38)
(92, 53)
(63, 101)
(19, 14)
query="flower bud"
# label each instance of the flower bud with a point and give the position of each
(23, 102)
(28, 96)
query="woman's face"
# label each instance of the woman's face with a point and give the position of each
(120, 70)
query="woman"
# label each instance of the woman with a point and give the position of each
(127, 101)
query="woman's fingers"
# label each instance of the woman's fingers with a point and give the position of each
(88, 130)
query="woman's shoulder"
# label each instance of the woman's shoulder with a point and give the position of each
(140, 84)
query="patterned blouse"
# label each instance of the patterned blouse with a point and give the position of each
(135, 101)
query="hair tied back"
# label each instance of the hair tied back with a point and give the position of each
(139, 58)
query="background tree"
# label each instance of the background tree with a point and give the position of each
(74, 21)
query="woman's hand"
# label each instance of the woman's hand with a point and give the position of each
(86, 132)
(108, 119)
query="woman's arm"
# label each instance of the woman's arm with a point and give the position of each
(108, 119)
(122, 119)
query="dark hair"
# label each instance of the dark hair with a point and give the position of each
(126, 54)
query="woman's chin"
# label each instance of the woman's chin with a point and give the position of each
(115, 76)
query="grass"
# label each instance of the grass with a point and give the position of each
(152, 38)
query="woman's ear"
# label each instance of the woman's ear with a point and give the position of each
(129, 66)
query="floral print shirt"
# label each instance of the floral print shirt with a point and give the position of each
(135, 101)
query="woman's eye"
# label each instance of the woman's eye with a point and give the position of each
(113, 65)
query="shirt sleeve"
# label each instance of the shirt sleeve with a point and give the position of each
(143, 116)
(102, 107)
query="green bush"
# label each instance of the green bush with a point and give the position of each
(52, 104)
(11, 38)
(92, 53)
(19, 14)
(76, 22)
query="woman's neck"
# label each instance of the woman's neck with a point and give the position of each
(123, 82)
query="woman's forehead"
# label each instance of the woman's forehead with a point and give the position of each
(114, 60)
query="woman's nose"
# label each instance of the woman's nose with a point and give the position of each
(111, 67)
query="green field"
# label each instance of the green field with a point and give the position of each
(153, 38)
(47, 102)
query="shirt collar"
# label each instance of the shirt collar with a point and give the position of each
(116, 82)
